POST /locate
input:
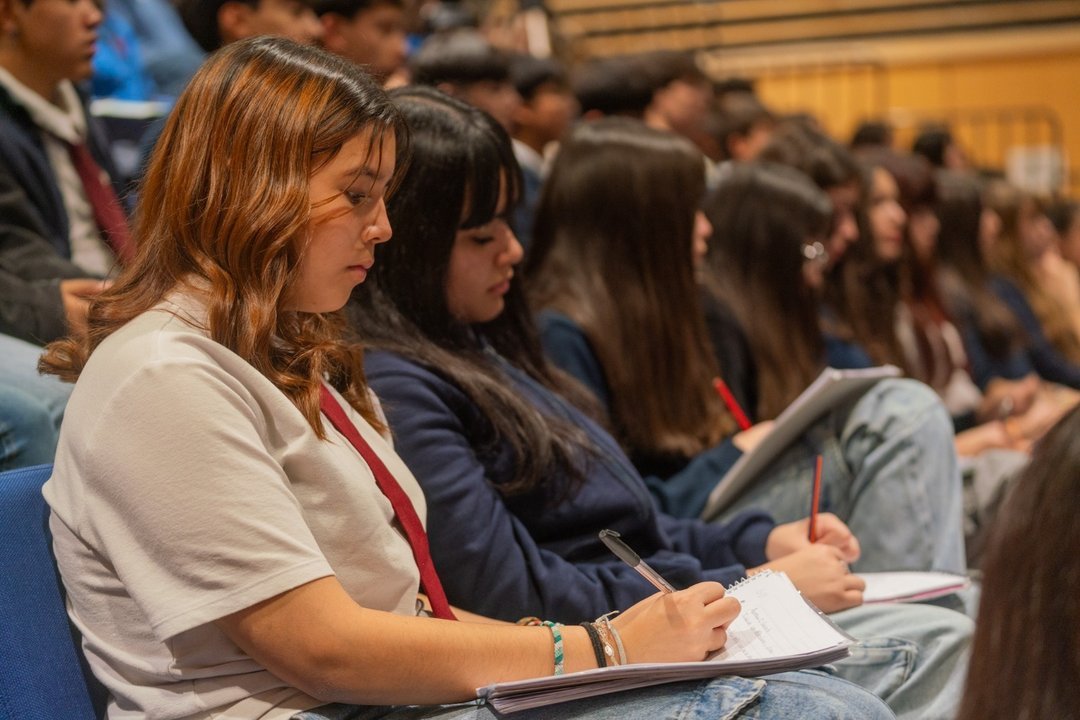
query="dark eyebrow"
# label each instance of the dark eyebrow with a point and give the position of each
(363, 171)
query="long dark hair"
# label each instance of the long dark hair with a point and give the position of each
(1025, 656)
(1009, 257)
(911, 280)
(461, 159)
(915, 179)
(762, 214)
(963, 271)
(225, 201)
(863, 291)
(805, 148)
(612, 250)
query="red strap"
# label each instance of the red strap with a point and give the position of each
(406, 514)
(108, 214)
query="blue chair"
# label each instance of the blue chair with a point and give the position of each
(43, 674)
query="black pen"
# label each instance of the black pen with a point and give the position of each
(622, 550)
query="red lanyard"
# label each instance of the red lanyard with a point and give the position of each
(403, 509)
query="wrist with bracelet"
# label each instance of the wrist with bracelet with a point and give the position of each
(557, 640)
(613, 644)
(597, 644)
(604, 638)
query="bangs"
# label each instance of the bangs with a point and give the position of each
(492, 166)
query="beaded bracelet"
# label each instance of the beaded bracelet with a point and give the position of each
(597, 644)
(556, 637)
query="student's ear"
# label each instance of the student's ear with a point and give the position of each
(7, 17)
(332, 38)
(450, 89)
(524, 116)
(735, 144)
(234, 21)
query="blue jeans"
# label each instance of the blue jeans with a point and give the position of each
(18, 368)
(31, 406)
(912, 656)
(890, 472)
(27, 433)
(805, 694)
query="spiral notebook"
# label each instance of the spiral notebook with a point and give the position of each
(777, 630)
(832, 388)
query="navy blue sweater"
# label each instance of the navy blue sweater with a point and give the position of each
(1041, 355)
(680, 485)
(508, 557)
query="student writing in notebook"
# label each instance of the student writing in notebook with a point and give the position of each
(519, 478)
(236, 535)
(613, 274)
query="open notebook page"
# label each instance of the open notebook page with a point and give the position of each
(775, 622)
(884, 587)
(776, 631)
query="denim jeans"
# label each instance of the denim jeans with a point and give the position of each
(911, 655)
(804, 694)
(31, 406)
(27, 433)
(890, 472)
(18, 368)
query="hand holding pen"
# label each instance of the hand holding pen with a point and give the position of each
(615, 544)
(703, 611)
(816, 553)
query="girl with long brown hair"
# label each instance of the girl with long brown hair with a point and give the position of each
(225, 550)
(589, 273)
(1024, 252)
(764, 272)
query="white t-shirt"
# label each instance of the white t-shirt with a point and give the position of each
(188, 487)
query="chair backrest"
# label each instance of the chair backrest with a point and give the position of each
(43, 674)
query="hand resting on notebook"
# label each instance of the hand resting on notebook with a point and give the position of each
(819, 570)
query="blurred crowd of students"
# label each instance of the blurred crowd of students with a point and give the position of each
(664, 231)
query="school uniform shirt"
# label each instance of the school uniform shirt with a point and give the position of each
(538, 553)
(188, 487)
(680, 485)
(1047, 361)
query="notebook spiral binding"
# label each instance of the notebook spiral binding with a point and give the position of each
(749, 578)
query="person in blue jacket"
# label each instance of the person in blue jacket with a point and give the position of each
(520, 477)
